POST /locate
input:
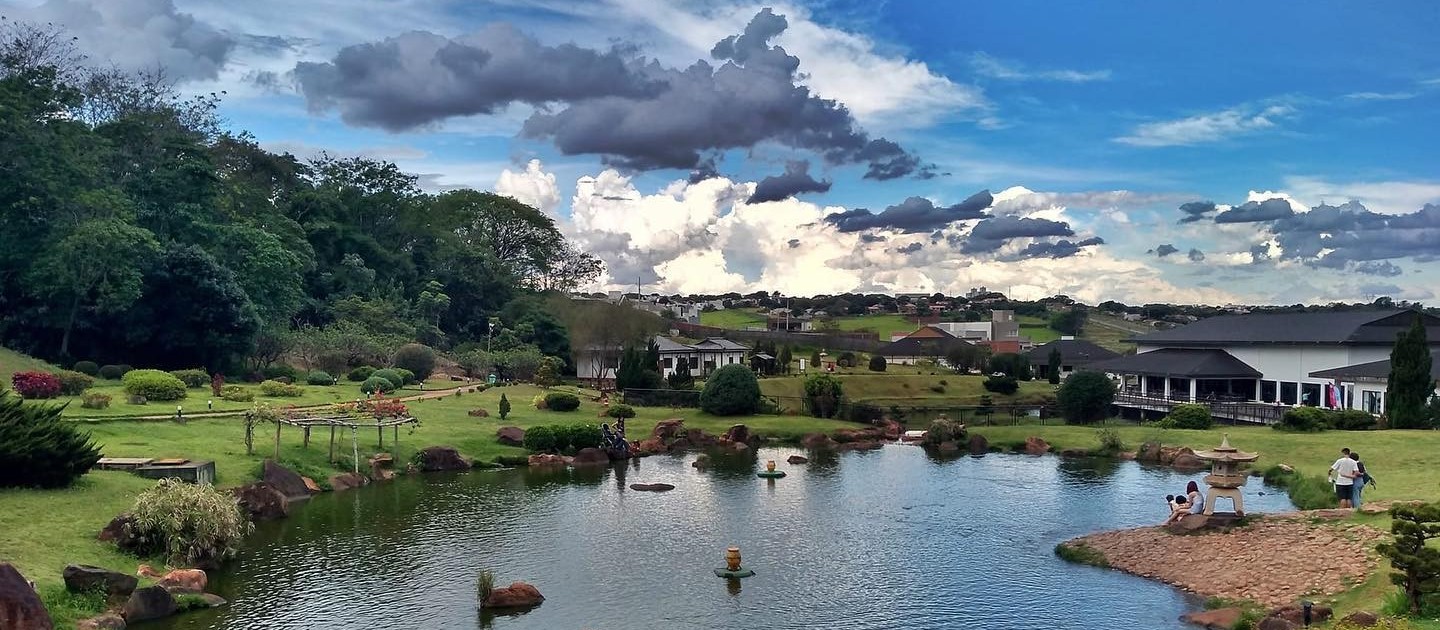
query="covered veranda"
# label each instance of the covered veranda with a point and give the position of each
(1183, 374)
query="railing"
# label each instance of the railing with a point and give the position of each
(1228, 408)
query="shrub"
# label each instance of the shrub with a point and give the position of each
(865, 412)
(191, 524)
(940, 389)
(376, 384)
(95, 400)
(114, 372)
(540, 439)
(236, 393)
(360, 374)
(1110, 442)
(74, 383)
(1085, 397)
(88, 368)
(35, 385)
(390, 374)
(277, 372)
(620, 411)
(1302, 419)
(153, 385)
(1413, 555)
(418, 359)
(1306, 492)
(38, 449)
(538, 402)
(846, 360)
(407, 376)
(504, 406)
(577, 436)
(877, 363)
(562, 402)
(193, 378)
(1188, 417)
(823, 394)
(731, 391)
(1001, 384)
(1352, 420)
(278, 389)
(944, 430)
(319, 378)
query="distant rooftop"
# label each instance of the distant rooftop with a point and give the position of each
(1368, 327)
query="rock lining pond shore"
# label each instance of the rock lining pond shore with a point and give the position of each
(1275, 561)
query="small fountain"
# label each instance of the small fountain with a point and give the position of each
(1225, 478)
(732, 568)
(770, 472)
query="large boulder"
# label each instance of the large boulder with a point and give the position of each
(517, 595)
(107, 621)
(590, 457)
(1362, 619)
(698, 438)
(151, 602)
(1218, 619)
(546, 459)
(1276, 623)
(119, 531)
(890, 429)
(347, 481)
(510, 436)
(739, 434)
(651, 446)
(818, 442)
(668, 429)
(382, 467)
(437, 458)
(859, 435)
(287, 481)
(1034, 445)
(20, 606)
(177, 580)
(1188, 461)
(652, 487)
(262, 501)
(1149, 452)
(1296, 614)
(797, 459)
(979, 445)
(83, 577)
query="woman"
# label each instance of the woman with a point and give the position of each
(1360, 478)
(1194, 498)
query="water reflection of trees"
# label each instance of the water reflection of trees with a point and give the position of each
(731, 465)
(1088, 469)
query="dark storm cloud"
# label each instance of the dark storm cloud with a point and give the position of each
(1382, 268)
(793, 243)
(419, 77)
(795, 180)
(1196, 255)
(1063, 248)
(137, 36)
(909, 249)
(1352, 237)
(915, 214)
(1196, 210)
(1254, 212)
(1164, 250)
(990, 234)
(1259, 253)
(872, 238)
(705, 169)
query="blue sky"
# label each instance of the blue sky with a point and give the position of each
(1091, 123)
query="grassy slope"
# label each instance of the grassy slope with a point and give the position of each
(1108, 331)
(733, 318)
(1037, 329)
(909, 389)
(883, 325)
(12, 362)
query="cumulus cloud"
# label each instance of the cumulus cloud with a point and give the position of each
(1063, 248)
(1164, 250)
(795, 180)
(1196, 255)
(1256, 211)
(1196, 210)
(910, 249)
(995, 68)
(1208, 127)
(915, 214)
(532, 186)
(992, 234)
(138, 36)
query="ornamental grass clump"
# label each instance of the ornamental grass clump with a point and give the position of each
(38, 449)
(192, 525)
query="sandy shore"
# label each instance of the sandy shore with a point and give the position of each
(1275, 561)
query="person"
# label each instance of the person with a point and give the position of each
(1361, 478)
(1342, 474)
(1182, 508)
(1194, 498)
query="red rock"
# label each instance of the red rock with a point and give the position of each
(817, 442)
(699, 439)
(262, 501)
(1036, 446)
(1188, 461)
(310, 485)
(546, 459)
(510, 436)
(183, 580)
(1218, 619)
(20, 606)
(890, 429)
(440, 458)
(668, 429)
(797, 459)
(1149, 452)
(859, 446)
(979, 445)
(347, 481)
(739, 434)
(858, 435)
(517, 595)
(590, 457)
(652, 446)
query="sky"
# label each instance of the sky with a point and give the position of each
(1271, 153)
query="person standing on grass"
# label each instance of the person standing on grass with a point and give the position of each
(1361, 478)
(1342, 474)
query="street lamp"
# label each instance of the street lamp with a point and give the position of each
(490, 334)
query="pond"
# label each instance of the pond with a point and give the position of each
(893, 538)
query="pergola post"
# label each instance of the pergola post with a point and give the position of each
(332, 443)
(277, 441)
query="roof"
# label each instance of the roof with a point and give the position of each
(1179, 362)
(668, 345)
(1368, 327)
(718, 343)
(1072, 352)
(1372, 370)
(920, 347)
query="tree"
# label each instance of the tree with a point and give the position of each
(193, 312)
(1411, 384)
(1052, 368)
(417, 358)
(1011, 364)
(1415, 559)
(1070, 322)
(815, 360)
(504, 407)
(731, 390)
(784, 358)
(681, 378)
(100, 264)
(549, 373)
(823, 394)
(877, 363)
(1085, 397)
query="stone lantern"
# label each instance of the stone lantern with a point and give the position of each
(1225, 478)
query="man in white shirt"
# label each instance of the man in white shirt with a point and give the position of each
(1343, 473)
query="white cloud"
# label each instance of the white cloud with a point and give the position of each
(1385, 197)
(1380, 96)
(137, 36)
(1210, 127)
(1260, 196)
(995, 68)
(532, 186)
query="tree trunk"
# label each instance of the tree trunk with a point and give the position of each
(69, 326)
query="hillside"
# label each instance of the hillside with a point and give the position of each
(12, 362)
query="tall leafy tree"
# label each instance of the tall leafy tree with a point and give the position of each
(99, 265)
(193, 312)
(1411, 384)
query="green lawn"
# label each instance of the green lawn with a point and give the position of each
(883, 325)
(1108, 331)
(196, 399)
(912, 389)
(733, 318)
(1037, 329)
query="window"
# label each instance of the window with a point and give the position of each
(669, 363)
(612, 362)
(1267, 391)
(1288, 393)
(1310, 394)
(1372, 402)
(694, 363)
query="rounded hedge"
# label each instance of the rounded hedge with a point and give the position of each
(193, 378)
(88, 368)
(1001, 384)
(877, 363)
(417, 358)
(1189, 417)
(236, 393)
(319, 378)
(377, 384)
(731, 391)
(390, 374)
(73, 383)
(562, 402)
(114, 372)
(620, 411)
(540, 439)
(281, 389)
(1085, 397)
(406, 376)
(361, 373)
(153, 385)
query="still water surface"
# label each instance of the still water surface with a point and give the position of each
(885, 539)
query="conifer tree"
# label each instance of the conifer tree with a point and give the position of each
(1053, 369)
(1411, 384)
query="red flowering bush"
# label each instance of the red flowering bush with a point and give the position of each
(379, 407)
(36, 384)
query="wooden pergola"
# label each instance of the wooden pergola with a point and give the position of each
(341, 421)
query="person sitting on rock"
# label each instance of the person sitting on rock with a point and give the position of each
(1182, 508)
(1194, 498)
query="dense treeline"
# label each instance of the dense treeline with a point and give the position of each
(138, 229)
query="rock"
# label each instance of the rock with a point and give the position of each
(979, 445)
(948, 447)
(510, 436)
(83, 577)
(438, 458)
(287, 481)
(1287, 468)
(382, 467)
(652, 487)
(818, 442)
(478, 413)
(1188, 461)
(1296, 614)
(1276, 623)
(864, 445)
(107, 621)
(347, 481)
(118, 531)
(651, 446)
(734, 447)
(1149, 452)
(310, 485)
(1169, 454)
(20, 606)
(739, 434)
(1036, 446)
(681, 444)
(151, 602)
(702, 461)
(261, 501)
(517, 595)
(1362, 619)
(668, 429)
(181, 580)
(1218, 619)
(546, 459)
(797, 459)
(858, 435)
(590, 457)
(1189, 525)
(699, 439)
(211, 600)
(890, 429)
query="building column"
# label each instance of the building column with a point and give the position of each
(1167, 388)
(1144, 385)
(1259, 391)
(1194, 383)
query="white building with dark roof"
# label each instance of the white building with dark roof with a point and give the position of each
(598, 364)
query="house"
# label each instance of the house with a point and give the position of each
(1364, 385)
(1075, 354)
(929, 343)
(784, 321)
(1277, 359)
(598, 364)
